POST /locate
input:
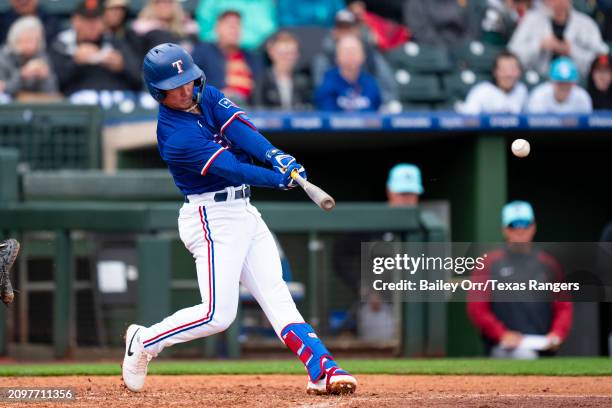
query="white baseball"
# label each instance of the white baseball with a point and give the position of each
(521, 148)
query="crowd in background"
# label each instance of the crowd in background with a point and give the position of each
(328, 55)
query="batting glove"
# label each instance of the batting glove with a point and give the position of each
(287, 181)
(279, 160)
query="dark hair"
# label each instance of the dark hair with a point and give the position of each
(505, 54)
(602, 60)
(600, 99)
(228, 13)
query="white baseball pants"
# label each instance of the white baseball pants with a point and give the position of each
(230, 243)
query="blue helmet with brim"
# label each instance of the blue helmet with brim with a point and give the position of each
(168, 66)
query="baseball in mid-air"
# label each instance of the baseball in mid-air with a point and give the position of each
(521, 148)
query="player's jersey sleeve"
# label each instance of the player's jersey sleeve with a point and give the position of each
(184, 152)
(194, 157)
(223, 110)
(234, 125)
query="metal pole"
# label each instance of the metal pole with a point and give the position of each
(63, 332)
(154, 279)
(314, 246)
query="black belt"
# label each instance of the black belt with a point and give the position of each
(242, 193)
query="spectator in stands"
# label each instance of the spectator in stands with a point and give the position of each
(227, 66)
(281, 86)
(445, 23)
(24, 64)
(84, 58)
(376, 320)
(308, 12)
(162, 21)
(600, 83)
(555, 30)
(258, 19)
(560, 94)
(21, 8)
(386, 34)
(116, 23)
(348, 87)
(374, 64)
(404, 186)
(507, 94)
(501, 18)
(503, 323)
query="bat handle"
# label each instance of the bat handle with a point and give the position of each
(296, 176)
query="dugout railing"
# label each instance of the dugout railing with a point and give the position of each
(146, 203)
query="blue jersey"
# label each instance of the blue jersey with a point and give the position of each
(214, 150)
(337, 94)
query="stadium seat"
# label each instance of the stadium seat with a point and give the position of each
(416, 107)
(532, 79)
(588, 7)
(61, 7)
(448, 105)
(458, 84)
(189, 6)
(477, 56)
(310, 39)
(414, 87)
(420, 59)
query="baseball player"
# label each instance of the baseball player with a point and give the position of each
(210, 147)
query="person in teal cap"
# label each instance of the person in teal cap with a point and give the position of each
(371, 320)
(404, 186)
(518, 222)
(504, 324)
(561, 94)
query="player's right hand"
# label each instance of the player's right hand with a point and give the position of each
(287, 181)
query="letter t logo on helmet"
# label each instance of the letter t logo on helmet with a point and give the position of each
(168, 66)
(178, 65)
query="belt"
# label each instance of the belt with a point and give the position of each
(222, 196)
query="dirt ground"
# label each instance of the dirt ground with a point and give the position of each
(288, 390)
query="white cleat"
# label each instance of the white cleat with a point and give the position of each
(317, 388)
(337, 384)
(342, 384)
(135, 360)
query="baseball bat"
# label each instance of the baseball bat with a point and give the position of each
(316, 194)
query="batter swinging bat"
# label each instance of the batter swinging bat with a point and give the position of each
(316, 194)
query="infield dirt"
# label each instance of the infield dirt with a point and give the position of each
(289, 390)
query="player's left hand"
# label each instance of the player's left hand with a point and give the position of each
(280, 160)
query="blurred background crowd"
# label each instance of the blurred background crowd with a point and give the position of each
(472, 56)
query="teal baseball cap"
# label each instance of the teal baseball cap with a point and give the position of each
(517, 214)
(563, 69)
(405, 178)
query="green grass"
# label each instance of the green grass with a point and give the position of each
(550, 366)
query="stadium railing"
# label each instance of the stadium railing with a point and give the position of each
(52, 136)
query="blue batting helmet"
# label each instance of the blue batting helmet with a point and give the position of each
(168, 66)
